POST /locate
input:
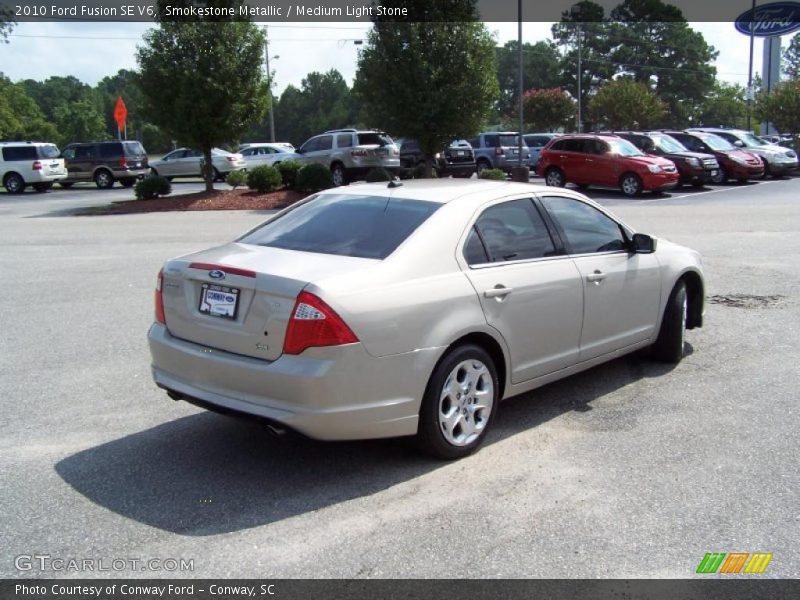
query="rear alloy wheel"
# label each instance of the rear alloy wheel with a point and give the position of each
(720, 177)
(671, 337)
(42, 187)
(631, 185)
(459, 404)
(555, 177)
(14, 183)
(483, 164)
(103, 179)
(338, 176)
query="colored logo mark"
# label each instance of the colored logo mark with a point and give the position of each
(734, 562)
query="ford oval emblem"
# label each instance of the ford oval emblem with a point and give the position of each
(216, 274)
(775, 18)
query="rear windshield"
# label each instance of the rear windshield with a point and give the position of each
(508, 140)
(371, 139)
(346, 225)
(133, 148)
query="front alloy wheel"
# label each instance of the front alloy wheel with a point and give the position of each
(631, 185)
(719, 177)
(459, 403)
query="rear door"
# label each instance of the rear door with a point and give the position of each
(621, 290)
(529, 290)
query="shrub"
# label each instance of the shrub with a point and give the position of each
(419, 172)
(236, 178)
(313, 178)
(264, 179)
(288, 170)
(494, 174)
(405, 173)
(151, 187)
(379, 174)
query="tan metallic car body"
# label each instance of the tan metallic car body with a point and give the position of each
(536, 319)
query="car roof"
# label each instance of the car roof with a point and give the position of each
(442, 191)
(21, 143)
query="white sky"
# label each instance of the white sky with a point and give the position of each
(39, 50)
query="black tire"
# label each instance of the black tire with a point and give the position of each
(338, 176)
(14, 183)
(630, 184)
(555, 177)
(482, 165)
(698, 184)
(668, 346)
(431, 438)
(103, 179)
(41, 188)
(128, 182)
(720, 178)
(66, 184)
(217, 175)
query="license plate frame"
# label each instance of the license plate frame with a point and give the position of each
(222, 307)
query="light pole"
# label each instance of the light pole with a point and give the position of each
(269, 79)
(575, 13)
(750, 69)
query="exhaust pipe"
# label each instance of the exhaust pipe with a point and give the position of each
(274, 430)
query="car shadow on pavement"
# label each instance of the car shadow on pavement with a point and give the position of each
(206, 474)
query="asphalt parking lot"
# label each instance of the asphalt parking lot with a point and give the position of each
(631, 469)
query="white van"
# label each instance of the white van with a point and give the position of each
(30, 163)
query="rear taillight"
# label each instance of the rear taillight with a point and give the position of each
(37, 165)
(231, 158)
(159, 299)
(313, 323)
(123, 163)
(499, 151)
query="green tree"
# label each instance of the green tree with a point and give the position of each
(20, 117)
(7, 22)
(57, 91)
(434, 80)
(541, 69)
(791, 58)
(548, 109)
(725, 105)
(585, 23)
(624, 104)
(781, 106)
(79, 122)
(653, 43)
(203, 81)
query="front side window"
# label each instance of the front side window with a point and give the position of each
(84, 152)
(310, 146)
(512, 230)
(346, 225)
(584, 228)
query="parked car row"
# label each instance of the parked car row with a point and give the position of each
(186, 162)
(637, 161)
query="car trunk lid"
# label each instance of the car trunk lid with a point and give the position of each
(239, 297)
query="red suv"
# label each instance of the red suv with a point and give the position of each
(604, 161)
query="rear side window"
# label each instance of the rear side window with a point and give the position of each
(346, 225)
(584, 228)
(112, 150)
(20, 153)
(370, 139)
(574, 145)
(133, 148)
(512, 231)
(344, 140)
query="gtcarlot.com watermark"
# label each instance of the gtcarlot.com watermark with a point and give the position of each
(59, 564)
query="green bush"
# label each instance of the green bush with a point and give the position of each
(288, 170)
(405, 173)
(419, 172)
(236, 178)
(494, 174)
(313, 178)
(379, 174)
(264, 179)
(151, 187)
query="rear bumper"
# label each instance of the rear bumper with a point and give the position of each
(458, 169)
(340, 393)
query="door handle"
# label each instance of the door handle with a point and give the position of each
(498, 291)
(596, 277)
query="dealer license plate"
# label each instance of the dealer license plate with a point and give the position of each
(219, 300)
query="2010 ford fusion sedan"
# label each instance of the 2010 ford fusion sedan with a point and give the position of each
(397, 310)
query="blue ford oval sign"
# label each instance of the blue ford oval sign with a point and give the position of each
(216, 274)
(775, 18)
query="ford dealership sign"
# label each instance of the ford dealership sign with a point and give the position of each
(775, 18)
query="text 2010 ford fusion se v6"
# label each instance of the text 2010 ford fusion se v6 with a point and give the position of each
(397, 310)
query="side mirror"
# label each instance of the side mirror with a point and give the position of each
(738, 144)
(643, 244)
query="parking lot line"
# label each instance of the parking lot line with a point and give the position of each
(722, 189)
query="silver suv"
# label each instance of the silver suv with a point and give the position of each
(350, 153)
(499, 150)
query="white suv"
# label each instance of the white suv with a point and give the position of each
(350, 153)
(30, 163)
